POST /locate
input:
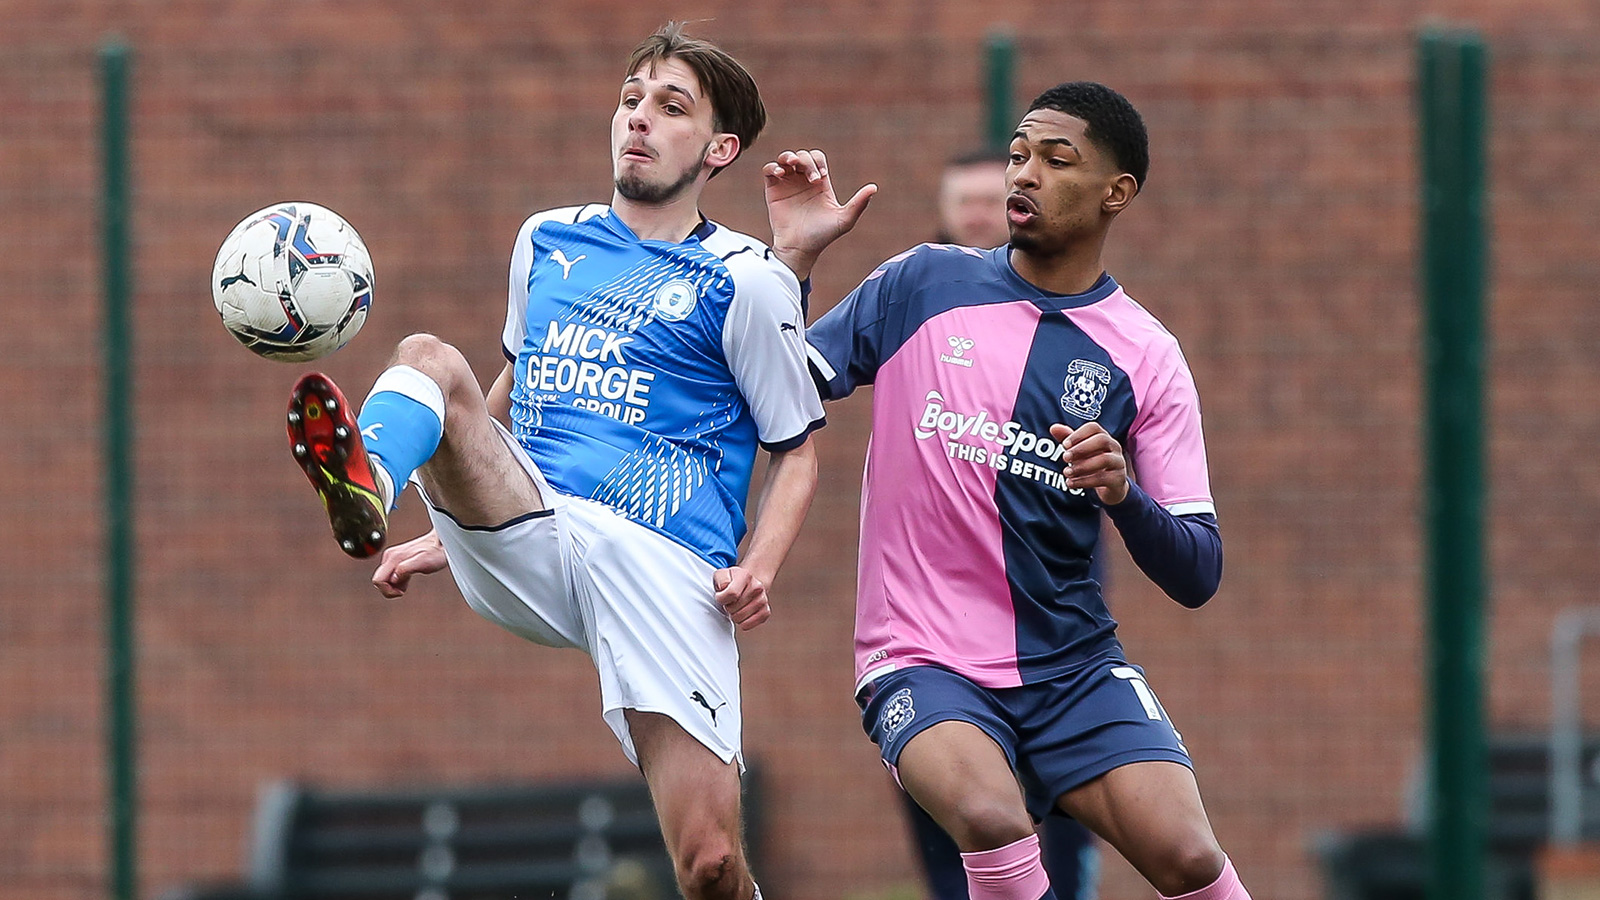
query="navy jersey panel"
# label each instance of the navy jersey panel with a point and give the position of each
(1050, 535)
(850, 342)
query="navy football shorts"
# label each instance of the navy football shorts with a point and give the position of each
(1058, 734)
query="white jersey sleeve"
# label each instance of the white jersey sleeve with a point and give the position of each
(522, 259)
(763, 339)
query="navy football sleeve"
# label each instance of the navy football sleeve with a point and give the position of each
(846, 346)
(1181, 554)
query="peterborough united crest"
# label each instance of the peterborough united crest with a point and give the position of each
(897, 714)
(1086, 386)
(676, 300)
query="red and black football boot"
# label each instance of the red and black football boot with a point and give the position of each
(326, 442)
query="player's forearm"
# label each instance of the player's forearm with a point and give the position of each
(498, 399)
(1181, 554)
(785, 499)
(799, 261)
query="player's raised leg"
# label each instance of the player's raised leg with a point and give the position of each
(956, 772)
(468, 469)
(326, 442)
(358, 465)
(696, 797)
(1152, 814)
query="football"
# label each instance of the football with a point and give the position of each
(293, 282)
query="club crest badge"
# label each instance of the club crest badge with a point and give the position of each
(1085, 387)
(897, 714)
(675, 300)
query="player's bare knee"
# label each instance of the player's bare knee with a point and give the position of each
(711, 869)
(982, 824)
(1191, 865)
(712, 878)
(438, 360)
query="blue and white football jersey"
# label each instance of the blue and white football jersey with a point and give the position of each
(647, 371)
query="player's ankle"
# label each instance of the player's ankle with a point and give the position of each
(384, 482)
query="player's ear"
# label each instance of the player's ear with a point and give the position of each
(1120, 193)
(724, 149)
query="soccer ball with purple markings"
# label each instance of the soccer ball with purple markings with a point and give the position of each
(293, 282)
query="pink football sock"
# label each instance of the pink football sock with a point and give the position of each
(1226, 887)
(1012, 872)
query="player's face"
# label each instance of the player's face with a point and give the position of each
(1062, 187)
(972, 204)
(661, 134)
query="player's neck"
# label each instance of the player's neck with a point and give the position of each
(673, 220)
(1073, 270)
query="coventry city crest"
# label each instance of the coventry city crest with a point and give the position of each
(1085, 385)
(897, 714)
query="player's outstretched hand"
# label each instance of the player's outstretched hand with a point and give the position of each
(805, 213)
(1093, 460)
(742, 596)
(418, 556)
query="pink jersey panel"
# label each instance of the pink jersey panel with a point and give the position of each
(1167, 452)
(932, 581)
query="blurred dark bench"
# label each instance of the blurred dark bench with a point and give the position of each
(1392, 864)
(585, 840)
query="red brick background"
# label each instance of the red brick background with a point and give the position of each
(1276, 239)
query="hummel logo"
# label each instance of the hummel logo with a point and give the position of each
(701, 699)
(958, 351)
(567, 264)
(371, 431)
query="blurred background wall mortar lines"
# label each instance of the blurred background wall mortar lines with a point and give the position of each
(1276, 240)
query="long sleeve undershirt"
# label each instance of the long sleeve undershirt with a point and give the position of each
(1181, 554)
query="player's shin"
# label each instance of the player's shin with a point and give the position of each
(1226, 887)
(1012, 872)
(401, 423)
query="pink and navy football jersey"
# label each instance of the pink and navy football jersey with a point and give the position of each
(975, 556)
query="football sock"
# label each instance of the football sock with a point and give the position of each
(401, 423)
(1012, 872)
(385, 482)
(1226, 887)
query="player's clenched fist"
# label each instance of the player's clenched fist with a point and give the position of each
(418, 556)
(1093, 459)
(742, 596)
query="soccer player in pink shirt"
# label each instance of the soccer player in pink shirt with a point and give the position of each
(1019, 391)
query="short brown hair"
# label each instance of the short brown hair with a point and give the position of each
(736, 106)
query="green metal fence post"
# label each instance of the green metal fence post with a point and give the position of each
(1451, 96)
(1000, 51)
(120, 695)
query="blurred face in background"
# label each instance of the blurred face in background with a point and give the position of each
(972, 204)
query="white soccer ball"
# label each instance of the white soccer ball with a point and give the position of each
(293, 282)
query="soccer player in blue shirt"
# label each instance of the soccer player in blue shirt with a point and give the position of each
(595, 498)
(1018, 392)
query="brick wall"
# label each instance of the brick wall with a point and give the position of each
(1276, 239)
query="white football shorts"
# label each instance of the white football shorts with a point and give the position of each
(578, 574)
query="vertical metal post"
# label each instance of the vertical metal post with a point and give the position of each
(1566, 724)
(1451, 97)
(1000, 51)
(120, 695)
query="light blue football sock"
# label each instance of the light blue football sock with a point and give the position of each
(401, 423)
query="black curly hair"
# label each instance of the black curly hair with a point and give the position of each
(1114, 125)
